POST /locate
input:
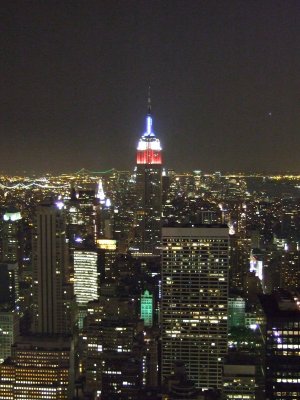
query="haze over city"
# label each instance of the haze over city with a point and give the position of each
(224, 79)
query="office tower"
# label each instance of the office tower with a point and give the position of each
(76, 230)
(194, 301)
(11, 255)
(106, 220)
(9, 281)
(282, 346)
(40, 369)
(51, 313)
(290, 268)
(152, 341)
(124, 192)
(86, 276)
(252, 287)
(89, 206)
(105, 216)
(11, 235)
(107, 250)
(122, 359)
(9, 286)
(240, 249)
(42, 365)
(113, 347)
(147, 308)
(148, 189)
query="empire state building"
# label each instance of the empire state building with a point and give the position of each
(148, 189)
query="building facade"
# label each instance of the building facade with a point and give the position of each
(194, 302)
(40, 368)
(50, 303)
(86, 276)
(282, 346)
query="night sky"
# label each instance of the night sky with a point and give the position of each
(224, 76)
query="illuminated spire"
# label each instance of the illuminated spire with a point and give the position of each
(149, 100)
(149, 149)
(149, 116)
(100, 193)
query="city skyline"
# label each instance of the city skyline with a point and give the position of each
(97, 303)
(225, 90)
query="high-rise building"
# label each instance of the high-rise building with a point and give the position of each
(50, 289)
(147, 308)
(11, 235)
(11, 254)
(282, 346)
(290, 268)
(148, 189)
(107, 249)
(42, 365)
(113, 347)
(116, 194)
(9, 281)
(86, 280)
(40, 368)
(89, 206)
(86, 276)
(194, 301)
(76, 228)
(9, 286)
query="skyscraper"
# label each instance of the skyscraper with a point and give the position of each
(282, 346)
(194, 301)
(107, 250)
(86, 276)
(42, 366)
(86, 280)
(11, 254)
(148, 189)
(147, 308)
(11, 233)
(9, 280)
(114, 346)
(50, 271)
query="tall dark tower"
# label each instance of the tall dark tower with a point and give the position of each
(50, 271)
(148, 189)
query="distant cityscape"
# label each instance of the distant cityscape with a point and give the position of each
(150, 283)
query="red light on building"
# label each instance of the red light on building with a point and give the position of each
(149, 149)
(148, 157)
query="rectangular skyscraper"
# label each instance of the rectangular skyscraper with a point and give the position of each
(194, 301)
(87, 276)
(49, 271)
(282, 346)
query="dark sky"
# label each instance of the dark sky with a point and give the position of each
(225, 78)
